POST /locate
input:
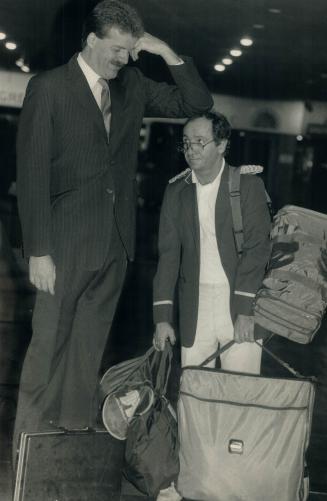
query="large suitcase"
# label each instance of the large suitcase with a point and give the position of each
(69, 466)
(243, 437)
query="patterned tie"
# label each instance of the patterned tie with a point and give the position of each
(105, 104)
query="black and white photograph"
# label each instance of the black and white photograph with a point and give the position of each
(163, 250)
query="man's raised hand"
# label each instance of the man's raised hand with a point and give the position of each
(155, 46)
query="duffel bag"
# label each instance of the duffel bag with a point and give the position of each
(151, 454)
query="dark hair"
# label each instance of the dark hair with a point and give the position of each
(221, 128)
(110, 13)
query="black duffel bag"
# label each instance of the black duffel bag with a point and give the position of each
(151, 455)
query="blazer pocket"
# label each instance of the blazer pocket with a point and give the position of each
(57, 199)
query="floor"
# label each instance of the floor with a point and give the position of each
(131, 336)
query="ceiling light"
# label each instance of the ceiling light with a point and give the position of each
(25, 68)
(11, 45)
(219, 67)
(246, 41)
(273, 10)
(2, 35)
(259, 26)
(20, 62)
(227, 61)
(235, 52)
(299, 138)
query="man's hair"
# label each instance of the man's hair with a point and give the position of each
(109, 13)
(221, 128)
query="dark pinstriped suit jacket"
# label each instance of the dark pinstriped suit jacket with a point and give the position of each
(71, 182)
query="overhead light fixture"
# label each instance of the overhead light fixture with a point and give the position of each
(273, 10)
(259, 26)
(219, 67)
(235, 52)
(11, 45)
(20, 62)
(3, 36)
(25, 68)
(246, 41)
(299, 138)
(227, 61)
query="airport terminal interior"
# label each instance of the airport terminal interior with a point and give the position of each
(265, 63)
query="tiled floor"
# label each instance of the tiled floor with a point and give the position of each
(132, 334)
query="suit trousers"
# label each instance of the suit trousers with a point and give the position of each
(60, 373)
(215, 328)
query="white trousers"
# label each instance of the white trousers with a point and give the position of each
(215, 328)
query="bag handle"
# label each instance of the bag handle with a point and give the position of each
(217, 353)
(275, 357)
(143, 359)
(286, 366)
(163, 373)
(164, 369)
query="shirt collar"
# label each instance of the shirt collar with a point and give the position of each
(216, 180)
(91, 76)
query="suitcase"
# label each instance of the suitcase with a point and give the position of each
(69, 466)
(243, 437)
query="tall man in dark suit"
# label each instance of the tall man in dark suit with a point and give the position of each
(77, 150)
(197, 250)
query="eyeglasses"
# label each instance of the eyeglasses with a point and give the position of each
(198, 146)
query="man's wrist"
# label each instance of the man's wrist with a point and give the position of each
(170, 57)
(161, 324)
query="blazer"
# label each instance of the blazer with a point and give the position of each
(72, 182)
(179, 250)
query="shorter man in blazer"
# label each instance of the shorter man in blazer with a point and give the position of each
(197, 251)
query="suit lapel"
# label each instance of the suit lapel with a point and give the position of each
(224, 235)
(190, 208)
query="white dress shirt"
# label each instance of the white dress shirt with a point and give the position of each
(211, 270)
(92, 79)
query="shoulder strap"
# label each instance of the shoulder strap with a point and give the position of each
(275, 357)
(234, 183)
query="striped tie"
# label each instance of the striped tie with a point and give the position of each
(105, 104)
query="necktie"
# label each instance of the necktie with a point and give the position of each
(105, 104)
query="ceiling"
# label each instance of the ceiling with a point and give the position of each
(288, 59)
